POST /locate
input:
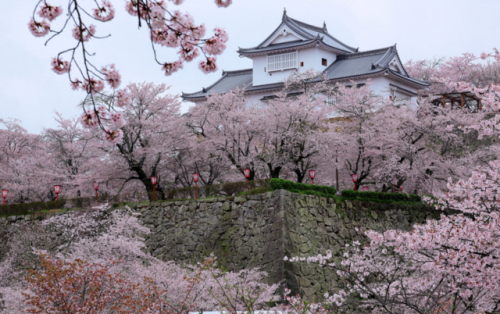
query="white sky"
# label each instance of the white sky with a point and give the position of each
(423, 29)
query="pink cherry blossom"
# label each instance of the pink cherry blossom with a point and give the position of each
(93, 86)
(105, 13)
(198, 32)
(118, 119)
(484, 55)
(86, 33)
(76, 84)
(177, 2)
(189, 52)
(89, 120)
(39, 29)
(159, 36)
(222, 34)
(170, 68)
(102, 111)
(131, 8)
(208, 66)
(157, 15)
(59, 66)
(112, 76)
(214, 46)
(49, 12)
(223, 3)
(113, 137)
(123, 98)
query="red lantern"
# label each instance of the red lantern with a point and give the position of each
(57, 189)
(401, 189)
(354, 178)
(96, 187)
(365, 188)
(4, 195)
(312, 174)
(246, 172)
(196, 177)
(153, 182)
(395, 183)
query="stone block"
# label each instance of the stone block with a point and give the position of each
(226, 206)
(240, 199)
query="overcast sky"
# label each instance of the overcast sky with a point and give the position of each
(423, 29)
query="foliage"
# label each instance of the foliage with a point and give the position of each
(167, 28)
(256, 191)
(104, 251)
(368, 195)
(26, 208)
(226, 189)
(277, 184)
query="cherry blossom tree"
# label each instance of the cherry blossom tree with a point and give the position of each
(117, 266)
(72, 150)
(25, 167)
(449, 265)
(167, 27)
(152, 134)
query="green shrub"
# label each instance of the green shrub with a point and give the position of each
(26, 208)
(327, 191)
(259, 190)
(226, 189)
(368, 195)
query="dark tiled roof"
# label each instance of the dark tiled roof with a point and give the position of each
(230, 80)
(291, 45)
(345, 67)
(305, 30)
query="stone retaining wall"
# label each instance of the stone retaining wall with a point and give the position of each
(260, 230)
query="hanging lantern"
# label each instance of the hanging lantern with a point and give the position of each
(196, 177)
(4, 195)
(57, 189)
(153, 182)
(96, 187)
(246, 172)
(365, 188)
(395, 183)
(312, 174)
(354, 178)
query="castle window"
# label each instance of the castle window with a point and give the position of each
(282, 62)
(302, 64)
(324, 62)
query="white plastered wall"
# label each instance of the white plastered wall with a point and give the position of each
(311, 58)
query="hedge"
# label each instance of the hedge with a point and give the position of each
(25, 208)
(381, 196)
(226, 189)
(327, 191)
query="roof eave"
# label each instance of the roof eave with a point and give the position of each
(312, 44)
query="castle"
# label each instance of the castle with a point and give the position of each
(297, 46)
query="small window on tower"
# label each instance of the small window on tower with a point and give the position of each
(324, 62)
(302, 64)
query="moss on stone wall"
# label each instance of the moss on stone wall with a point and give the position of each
(260, 230)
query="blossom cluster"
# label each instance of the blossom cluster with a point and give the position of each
(105, 13)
